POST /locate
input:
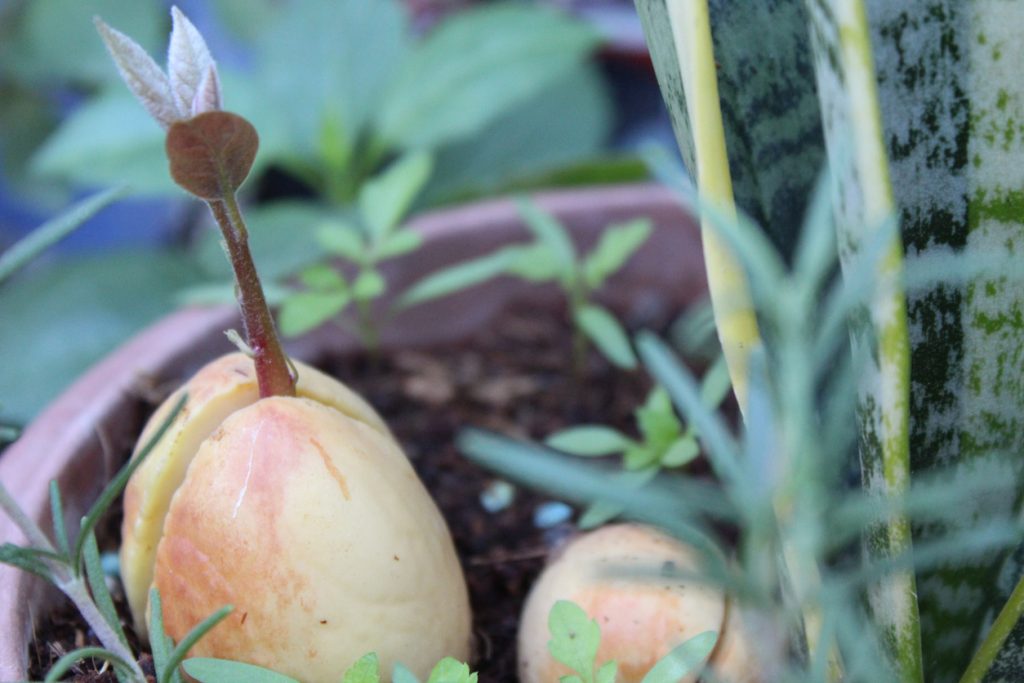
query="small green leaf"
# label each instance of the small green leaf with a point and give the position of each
(682, 451)
(456, 278)
(402, 675)
(715, 384)
(305, 311)
(52, 231)
(590, 440)
(604, 330)
(551, 233)
(606, 674)
(60, 532)
(598, 513)
(209, 670)
(617, 244)
(25, 559)
(98, 584)
(322, 277)
(385, 199)
(65, 663)
(683, 660)
(342, 239)
(658, 421)
(639, 456)
(398, 243)
(451, 670)
(368, 285)
(535, 263)
(176, 656)
(365, 670)
(575, 637)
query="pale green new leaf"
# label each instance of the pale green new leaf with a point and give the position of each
(458, 277)
(683, 660)
(402, 675)
(365, 670)
(209, 670)
(343, 239)
(552, 234)
(385, 199)
(450, 670)
(682, 451)
(589, 440)
(369, 284)
(617, 244)
(536, 263)
(305, 311)
(398, 243)
(607, 672)
(607, 334)
(322, 277)
(575, 637)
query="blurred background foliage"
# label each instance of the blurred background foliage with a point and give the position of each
(505, 96)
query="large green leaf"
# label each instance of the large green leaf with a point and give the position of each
(768, 100)
(476, 66)
(567, 121)
(39, 47)
(61, 319)
(331, 60)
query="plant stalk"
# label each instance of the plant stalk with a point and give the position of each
(997, 635)
(273, 373)
(76, 591)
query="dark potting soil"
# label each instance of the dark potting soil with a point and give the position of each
(514, 377)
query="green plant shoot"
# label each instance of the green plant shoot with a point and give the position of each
(552, 257)
(664, 442)
(377, 237)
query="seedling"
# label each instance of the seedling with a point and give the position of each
(74, 569)
(272, 451)
(365, 670)
(552, 257)
(376, 238)
(664, 442)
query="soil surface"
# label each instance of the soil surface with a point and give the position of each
(516, 378)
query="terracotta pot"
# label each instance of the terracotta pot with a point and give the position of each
(65, 443)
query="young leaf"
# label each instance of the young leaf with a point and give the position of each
(57, 513)
(369, 284)
(639, 456)
(535, 263)
(604, 331)
(450, 670)
(606, 674)
(402, 675)
(365, 670)
(304, 311)
(120, 480)
(617, 244)
(176, 656)
(457, 278)
(398, 243)
(52, 231)
(26, 559)
(322, 277)
(595, 440)
(599, 513)
(65, 663)
(189, 64)
(211, 154)
(98, 584)
(715, 384)
(683, 660)
(657, 420)
(682, 451)
(385, 199)
(551, 233)
(144, 78)
(575, 637)
(209, 670)
(344, 240)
